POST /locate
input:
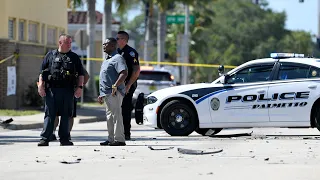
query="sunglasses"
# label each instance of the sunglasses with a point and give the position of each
(118, 38)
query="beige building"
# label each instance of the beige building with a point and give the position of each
(29, 28)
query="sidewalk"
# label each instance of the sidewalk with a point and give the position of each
(87, 114)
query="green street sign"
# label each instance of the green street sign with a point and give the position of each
(179, 19)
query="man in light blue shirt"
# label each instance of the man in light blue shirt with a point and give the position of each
(112, 90)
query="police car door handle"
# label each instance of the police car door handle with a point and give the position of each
(260, 91)
(312, 86)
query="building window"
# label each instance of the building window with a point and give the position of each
(61, 31)
(11, 28)
(51, 36)
(21, 30)
(33, 32)
(43, 33)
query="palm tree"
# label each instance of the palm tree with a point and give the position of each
(123, 5)
(91, 22)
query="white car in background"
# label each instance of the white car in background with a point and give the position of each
(281, 91)
(151, 80)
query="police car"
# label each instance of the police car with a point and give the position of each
(280, 91)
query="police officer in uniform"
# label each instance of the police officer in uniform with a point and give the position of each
(132, 60)
(57, 83)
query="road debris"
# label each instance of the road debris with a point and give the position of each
(158, 149)
(232, 135)
(6, 121)
(198, 152)
(71, 162)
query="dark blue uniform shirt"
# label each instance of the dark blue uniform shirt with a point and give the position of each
(132, 58)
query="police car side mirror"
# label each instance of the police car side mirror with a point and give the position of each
(221, 70)
(224, 79)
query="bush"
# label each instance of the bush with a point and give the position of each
(32, 97)
(96, 80)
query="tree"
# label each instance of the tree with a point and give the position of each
(91, 22)
(233, 32)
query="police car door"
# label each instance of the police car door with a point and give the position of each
(243, 89)
(291, 92)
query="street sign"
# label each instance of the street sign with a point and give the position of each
(179, 19)
(81, 38)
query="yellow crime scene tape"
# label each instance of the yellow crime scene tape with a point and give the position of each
(141, 62)
(5, 59)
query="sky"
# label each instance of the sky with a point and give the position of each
(300, 16)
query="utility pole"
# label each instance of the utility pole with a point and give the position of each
(106, 23)
(185, 47)
(161, 35)
(148, 24)
(91, 30)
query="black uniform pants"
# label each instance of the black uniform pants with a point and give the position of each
(127, 108)
(59, 101)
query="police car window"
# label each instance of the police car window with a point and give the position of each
(155, 76)
(288, 71)
(314, 72)
(251, 74)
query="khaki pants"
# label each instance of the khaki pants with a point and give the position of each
(114, 117)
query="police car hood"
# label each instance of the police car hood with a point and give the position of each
(179, 89)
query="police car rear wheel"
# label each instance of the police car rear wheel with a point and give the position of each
(178, 119)
(203, 131)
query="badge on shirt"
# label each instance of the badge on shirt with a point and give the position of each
(132, 54)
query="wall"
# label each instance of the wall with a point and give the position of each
(53, 12)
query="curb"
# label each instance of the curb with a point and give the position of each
(22, 126)
(84, 120)
(38, 125)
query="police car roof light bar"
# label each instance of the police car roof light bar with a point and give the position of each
(285, 55)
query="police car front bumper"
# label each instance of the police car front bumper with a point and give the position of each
(150, 115)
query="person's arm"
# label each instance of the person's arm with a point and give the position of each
(122, 69)
(79, 69)
(134, 56)
(122, 76)
(41, 83)
(86, 76)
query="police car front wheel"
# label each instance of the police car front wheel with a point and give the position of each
(177, 118)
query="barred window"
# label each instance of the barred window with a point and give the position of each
(33, 32)
(21, 30)
(51, 36)
(11, 28)
(43, 33)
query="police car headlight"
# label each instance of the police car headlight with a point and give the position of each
(151, 100)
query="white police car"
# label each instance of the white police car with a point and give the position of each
(281, 91)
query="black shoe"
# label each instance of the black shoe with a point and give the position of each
(117, 143)
(43, 143)
(66, 143)
(106, 143)
(127, 138)
(52, 138)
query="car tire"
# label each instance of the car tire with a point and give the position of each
(178, 119)
(317, 118)
(203, 131)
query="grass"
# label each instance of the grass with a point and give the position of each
(9, 112)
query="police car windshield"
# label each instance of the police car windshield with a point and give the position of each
(154, 75)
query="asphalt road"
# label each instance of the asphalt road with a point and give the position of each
(272, 153)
